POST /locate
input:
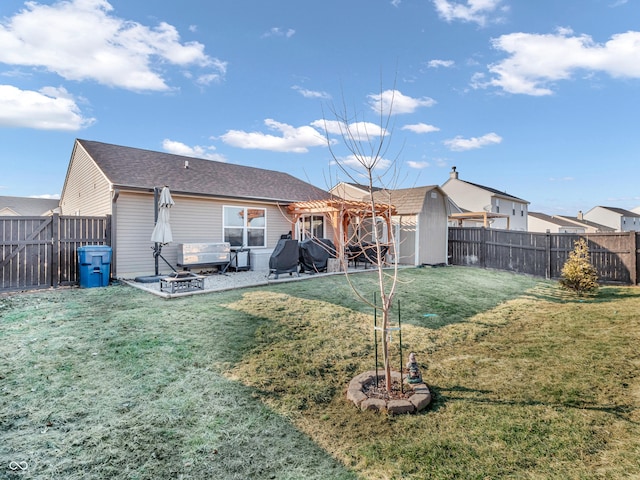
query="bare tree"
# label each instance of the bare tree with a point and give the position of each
(366, 164)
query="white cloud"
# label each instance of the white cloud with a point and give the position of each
(292, 139)
(49, 109)
(179, 148)
(48, 196)
(440, 63)
(476, 11)
(395, 3)
(362, 162)
(358, 131)
(311, 93)
(395, 102)
(417, 165)
(536, 61)
(459, 144)
(279, 32)
(83, 40)
(421, 128)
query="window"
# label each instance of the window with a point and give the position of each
(245, 226)
(497, 205)
(312, 226)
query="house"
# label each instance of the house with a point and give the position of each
(495, 209)
(419, 223)
(214, 202)
(541, 222)
(619, 219)
(589, 227)
(27, 206)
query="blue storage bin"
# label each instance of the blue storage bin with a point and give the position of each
(94, 262)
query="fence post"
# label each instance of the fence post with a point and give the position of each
(633, 264)
(54, 274)
(483, 247)
(547, 255)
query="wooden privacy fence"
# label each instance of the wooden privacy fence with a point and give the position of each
(614, 255)
(41, 252)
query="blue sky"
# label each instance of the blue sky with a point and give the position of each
(540, 99)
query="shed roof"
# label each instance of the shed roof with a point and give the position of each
(135, 168)
(407, 201)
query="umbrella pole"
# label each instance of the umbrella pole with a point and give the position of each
(156, 250)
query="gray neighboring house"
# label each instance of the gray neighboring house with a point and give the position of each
(619, 219)
(420, 226)
(28, 207)
(214, 202)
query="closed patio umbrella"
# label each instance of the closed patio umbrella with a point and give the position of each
(161, 234)
(162, 231)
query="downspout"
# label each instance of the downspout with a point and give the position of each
(115, 193)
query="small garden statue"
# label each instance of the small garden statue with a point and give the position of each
(414, 372)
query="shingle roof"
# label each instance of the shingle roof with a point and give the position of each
(584, 221)
(408, 201)
(556, 220)
(29, 207)
(495, 191)
(622, 211)
(128, 167)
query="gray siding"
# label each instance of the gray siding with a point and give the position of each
(193, 220)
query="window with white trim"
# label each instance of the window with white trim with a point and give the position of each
(312, 226)
(244, 226)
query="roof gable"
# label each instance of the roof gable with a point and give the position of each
(134, 168)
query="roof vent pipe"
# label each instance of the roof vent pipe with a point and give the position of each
(186, 164)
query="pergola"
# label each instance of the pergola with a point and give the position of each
(340, 213)
(478, 217)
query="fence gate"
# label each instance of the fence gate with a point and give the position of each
(40, 252)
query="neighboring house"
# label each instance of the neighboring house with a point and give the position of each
(589, 227)
(617, 218)
(506, 211)
(420, 224)
(541, 222)
(214, 202)
(28, 207)
(352, 191)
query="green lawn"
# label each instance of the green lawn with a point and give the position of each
(116, 383)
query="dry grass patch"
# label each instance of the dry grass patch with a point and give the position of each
(543, 386)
